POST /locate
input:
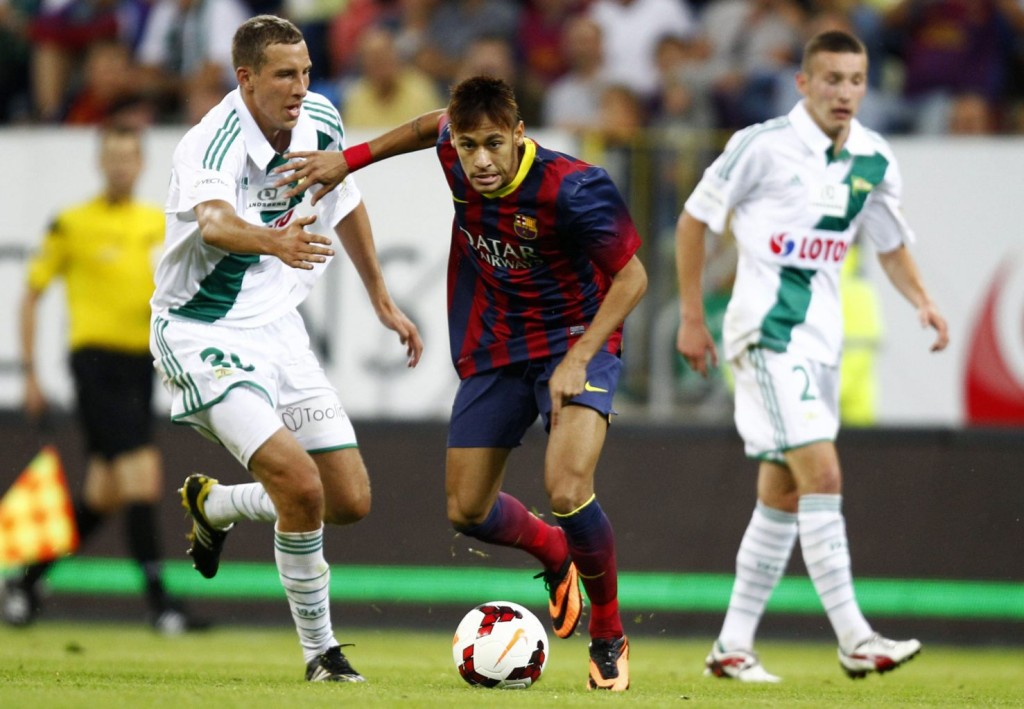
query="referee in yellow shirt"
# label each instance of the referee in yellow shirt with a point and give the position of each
(104, 250)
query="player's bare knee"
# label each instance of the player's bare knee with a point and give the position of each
(295, 491)
(358, 509)
(461, 517)
(460, 521)
(348, 511)
(823, 481)
(569, 493)
(563, 504)
(783, 501)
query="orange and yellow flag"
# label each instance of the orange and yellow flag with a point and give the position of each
(37, 522)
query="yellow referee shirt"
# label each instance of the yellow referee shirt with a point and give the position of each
(105, 254)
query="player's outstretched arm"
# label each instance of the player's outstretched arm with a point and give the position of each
(357, 238)
(221, 227)
(330, 168)
(902, 271)
(693, 340)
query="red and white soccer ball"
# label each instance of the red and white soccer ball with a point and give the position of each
(500, 644)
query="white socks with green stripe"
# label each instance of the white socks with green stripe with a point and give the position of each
(227, 504)
(306, 578)
(760, 563)
(827, 557)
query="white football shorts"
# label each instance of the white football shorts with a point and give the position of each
(784, 401)
(238, 386)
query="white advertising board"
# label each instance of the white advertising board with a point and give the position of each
(960, 199)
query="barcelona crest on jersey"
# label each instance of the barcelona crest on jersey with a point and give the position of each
(525, 226)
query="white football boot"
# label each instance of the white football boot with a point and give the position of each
(737, 664)
(877, 654)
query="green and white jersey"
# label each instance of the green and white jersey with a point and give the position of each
(795, 209)
(226, 157)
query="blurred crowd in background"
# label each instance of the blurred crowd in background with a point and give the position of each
(607, 66)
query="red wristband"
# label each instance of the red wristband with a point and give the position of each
(358, 156)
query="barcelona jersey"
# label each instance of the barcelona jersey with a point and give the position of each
(531, 263)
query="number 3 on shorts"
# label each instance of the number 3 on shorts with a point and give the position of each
(215, 357)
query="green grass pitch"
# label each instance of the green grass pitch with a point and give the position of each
(58, 664)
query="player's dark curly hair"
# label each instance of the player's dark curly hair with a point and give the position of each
(248, 48)
(834, 41)
(479, 98)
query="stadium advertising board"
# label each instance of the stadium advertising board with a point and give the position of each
(968, 248)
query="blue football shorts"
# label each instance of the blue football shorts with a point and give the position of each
(494, 409)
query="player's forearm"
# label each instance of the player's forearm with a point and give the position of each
(330, 168)
(690, 267)
(902, 272)
(418, 134)
(356, 237)
(222, 228)
(627, 288)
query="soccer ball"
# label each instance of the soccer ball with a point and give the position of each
(500, 644)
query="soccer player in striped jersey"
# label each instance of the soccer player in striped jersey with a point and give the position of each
(541, 276)
(228, 339)
(797, 188)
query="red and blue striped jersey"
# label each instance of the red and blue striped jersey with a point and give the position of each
(531, 263)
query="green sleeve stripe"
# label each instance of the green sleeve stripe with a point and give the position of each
(222, 140)
(333, 125)
(323, 106)
(752, 133)
(228, 140)
(326, 115)
(227, 121)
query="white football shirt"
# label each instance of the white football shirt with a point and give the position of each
(226, 157)
(795, 209)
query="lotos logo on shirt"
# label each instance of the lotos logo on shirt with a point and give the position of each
(808, 248)
(780, 245)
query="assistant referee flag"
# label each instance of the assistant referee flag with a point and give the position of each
(36, 516)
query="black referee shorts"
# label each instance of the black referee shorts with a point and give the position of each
(115, 395)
